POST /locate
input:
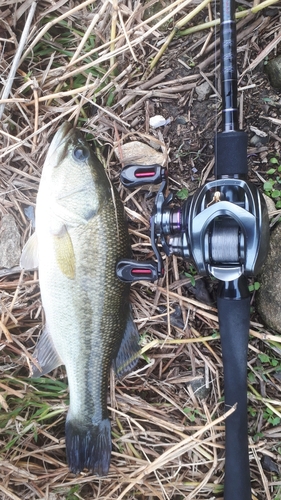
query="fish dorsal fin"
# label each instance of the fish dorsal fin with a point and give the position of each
(45, 355)
(29, 256)
(128, 353)
(64, 252)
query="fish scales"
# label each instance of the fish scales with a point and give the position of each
(81, 234)
(92, 303)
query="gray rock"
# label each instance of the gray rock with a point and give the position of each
(273, 70)
(9, 242)
(181, 120)
(270, 205)
(138, 153)
(258, 141)
(203, 91)
(200, 291)
(269, 465)
(199, 387)
(269, 295)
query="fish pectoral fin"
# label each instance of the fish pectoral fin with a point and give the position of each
(128, 353)
(64, 252)
(46, 355)
(29, 255)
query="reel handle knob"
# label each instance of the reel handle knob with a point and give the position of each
(133, 176)
(129, 270)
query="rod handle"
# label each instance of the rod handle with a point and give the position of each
(234, 320)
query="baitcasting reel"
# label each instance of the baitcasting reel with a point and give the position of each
(223, 227)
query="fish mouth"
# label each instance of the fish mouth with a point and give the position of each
(61, 137)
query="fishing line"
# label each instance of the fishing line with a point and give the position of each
(216, 83)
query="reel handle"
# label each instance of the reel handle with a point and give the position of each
(234, 319)
(133, 176)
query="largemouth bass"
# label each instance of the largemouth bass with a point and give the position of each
(80, 235)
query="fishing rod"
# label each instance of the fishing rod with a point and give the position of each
(224, 229)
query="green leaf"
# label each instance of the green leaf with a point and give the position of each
(275, 421)
(271, 171)
(146, 358)
(110, 99)
(182, 194)
(278, 204)
(192, 279)
(257, 437)
(252, 379)
(275, 194)
(279, 168)
(255, 286)
(71, 493)
(264, 358)
(273, 160)
(267, 186)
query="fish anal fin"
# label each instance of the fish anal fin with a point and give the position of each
(64, 252)
(29, 255)
(46, 355)
(128, 354)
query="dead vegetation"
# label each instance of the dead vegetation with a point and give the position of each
(103, 66)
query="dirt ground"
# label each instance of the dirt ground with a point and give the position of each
(168, 434)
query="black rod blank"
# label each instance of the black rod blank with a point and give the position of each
(231, 143)
(228, 66)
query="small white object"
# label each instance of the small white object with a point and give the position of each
(158, 121)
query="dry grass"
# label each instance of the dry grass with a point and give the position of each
(91, 62)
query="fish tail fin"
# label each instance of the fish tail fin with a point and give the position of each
(88, 447)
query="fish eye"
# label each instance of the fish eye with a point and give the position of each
(80, 153)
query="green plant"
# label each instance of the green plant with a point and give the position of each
(272, 187)
(257, 437)
(254, 286)
(251, 377)
(271, 417)
(215, 334)
(182, 194)
(191, 274)
(32, 403)
(252, 411)
(265, 359)
(192, 413)
(71, 494)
